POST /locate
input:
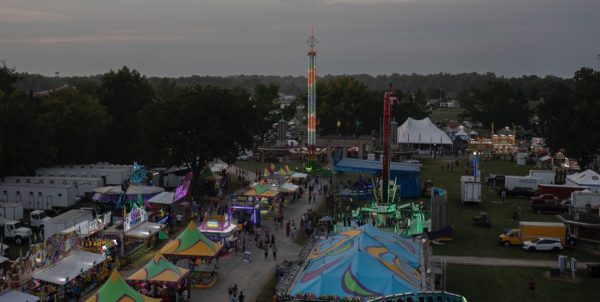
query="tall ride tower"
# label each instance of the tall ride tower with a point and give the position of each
(312, 101)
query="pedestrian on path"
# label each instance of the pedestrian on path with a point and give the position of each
(531, 285)
(266, 252)
(272, 240)
(241, 297)
(287, 228)
(275, 253)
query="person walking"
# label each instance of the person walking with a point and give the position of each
(274, 252)
(272, 239)
(266, 252)
(241, 297)
(531, 286)
(287, 228)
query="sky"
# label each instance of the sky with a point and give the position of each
(231, 37)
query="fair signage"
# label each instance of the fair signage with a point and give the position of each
(134, 218)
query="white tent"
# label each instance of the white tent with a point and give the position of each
(587, 178)
(421, 132)
(163, 198)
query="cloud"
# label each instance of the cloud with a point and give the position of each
(10, 15)
(94, 39)
(365, 2)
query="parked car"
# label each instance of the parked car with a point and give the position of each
(543, 244)
(551, 206)
(518, 192)
(243, 157)
(544, 197)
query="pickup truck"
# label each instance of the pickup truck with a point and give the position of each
(544, 198)
(549, 206)
(518, 192)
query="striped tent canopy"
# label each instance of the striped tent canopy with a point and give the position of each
(159, 269)
(191, 243)
(115, 289)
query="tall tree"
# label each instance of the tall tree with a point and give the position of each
(264, 110)
(23, 143)
(124, 93)
(570, 114)
(196, 125)
(499, 103)
(349, 101)
(75, 124)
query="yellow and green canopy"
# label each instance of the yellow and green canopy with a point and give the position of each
(191, 243)
(159, 269)
(115, 289)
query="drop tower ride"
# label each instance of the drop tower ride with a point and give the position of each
(312, 102)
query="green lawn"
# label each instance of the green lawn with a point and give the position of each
(470, 240)
(489, 284)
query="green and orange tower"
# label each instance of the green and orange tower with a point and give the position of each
(312, 102)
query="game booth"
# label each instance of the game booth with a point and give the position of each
(220, 228)
(245, 209)
(116, 289)
(160, 272)
(265, 197)
(135, 235)
(58, 267)
(193, 246)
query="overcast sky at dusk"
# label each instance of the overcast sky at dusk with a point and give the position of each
(226, 37)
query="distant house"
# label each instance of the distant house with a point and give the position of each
(448, 104)
(47, 92)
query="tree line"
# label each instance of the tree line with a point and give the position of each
(122, 116)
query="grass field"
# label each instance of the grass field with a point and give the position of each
(470, 240)
(490, 284)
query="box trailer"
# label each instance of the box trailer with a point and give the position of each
(560, 191)
(39, 196)
(112, 176)
(546, 176)
(82, 185)
(512, 182)
(66, 220)
(529, 230)
(581, 200)
(470, 189)
(11, 210)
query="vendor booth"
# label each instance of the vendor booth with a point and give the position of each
(197, 249)
(220, 228)
(115, 289)
(134, 236)
(159, 271)
(163, 208)
(80, 272)
(245, 209)
(17, 296)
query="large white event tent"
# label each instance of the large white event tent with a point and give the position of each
(422, 132)
(587, 178)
